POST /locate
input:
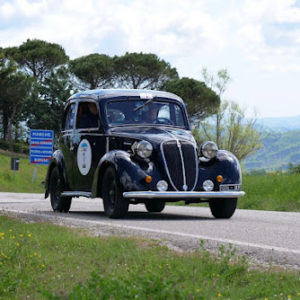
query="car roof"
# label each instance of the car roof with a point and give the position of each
(114, 93)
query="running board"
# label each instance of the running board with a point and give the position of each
(76, 194)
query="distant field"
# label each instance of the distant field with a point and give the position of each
(20, 181)
(279, 191)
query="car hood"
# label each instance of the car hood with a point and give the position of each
(156, 134)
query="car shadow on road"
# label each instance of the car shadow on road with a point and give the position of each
(139, 216)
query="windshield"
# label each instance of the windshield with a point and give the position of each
(143, 112)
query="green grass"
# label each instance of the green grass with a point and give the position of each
(20, 181)
(278, 191)
(43, 261)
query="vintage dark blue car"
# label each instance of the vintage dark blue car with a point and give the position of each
(135, 146)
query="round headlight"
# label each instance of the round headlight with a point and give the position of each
(208, 185)
(209, 149)
(162, 185)
(143, 149)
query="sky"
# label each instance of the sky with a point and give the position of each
(257, 41)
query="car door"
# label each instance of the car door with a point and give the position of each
(91, 143)
(66, 142)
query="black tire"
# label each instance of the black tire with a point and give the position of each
(115, 206)
(223, 208)
(153, 205)
(58, 203)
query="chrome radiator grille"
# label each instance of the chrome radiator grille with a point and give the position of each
(181, 164)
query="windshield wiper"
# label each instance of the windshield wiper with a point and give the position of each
(144, 104)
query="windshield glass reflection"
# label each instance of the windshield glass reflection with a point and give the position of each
(140, 112)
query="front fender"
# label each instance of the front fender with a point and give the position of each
(225, 164)
(57, 160)
(131, 174)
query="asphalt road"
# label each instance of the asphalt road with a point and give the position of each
(268, 237)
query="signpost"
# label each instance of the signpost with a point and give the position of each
(41, 146)
(14, 164)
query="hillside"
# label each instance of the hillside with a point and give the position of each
(280, 149)
(281, 124)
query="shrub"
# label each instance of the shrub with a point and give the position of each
(18, 147)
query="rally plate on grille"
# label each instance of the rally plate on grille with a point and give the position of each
(230, 187)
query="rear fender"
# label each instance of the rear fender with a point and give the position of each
(57, 160)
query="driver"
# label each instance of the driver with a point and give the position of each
(87, 115)
(151, 114)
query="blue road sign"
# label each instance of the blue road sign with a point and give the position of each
(41, 146)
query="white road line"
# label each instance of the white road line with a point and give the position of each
(176, 233)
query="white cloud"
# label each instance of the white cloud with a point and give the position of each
(22, 8)
(252, 38)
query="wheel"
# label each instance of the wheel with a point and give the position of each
(58, 203)
(115, 206)
(223, 208)
(155, 205)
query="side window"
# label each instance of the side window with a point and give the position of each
(178, 115)
(69, 117)
(87, 115)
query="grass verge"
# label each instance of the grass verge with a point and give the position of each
(278, 191)
(21, 181)
(51, 262)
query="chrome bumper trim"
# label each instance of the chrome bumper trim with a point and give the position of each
(76, 194)
(182, 195)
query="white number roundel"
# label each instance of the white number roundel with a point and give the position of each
(84, 157)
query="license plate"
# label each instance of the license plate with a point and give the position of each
(230, 187)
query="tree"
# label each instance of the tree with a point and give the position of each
(229, 127)
(142, 71)
(237, 133)
(15, 88)
(37, 57)
(45, 111)
(200, 100)
(293, 169)
(220, 85)
(94, 70)
(49, 87)
(6, 69)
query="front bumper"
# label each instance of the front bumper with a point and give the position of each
(182, 195)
